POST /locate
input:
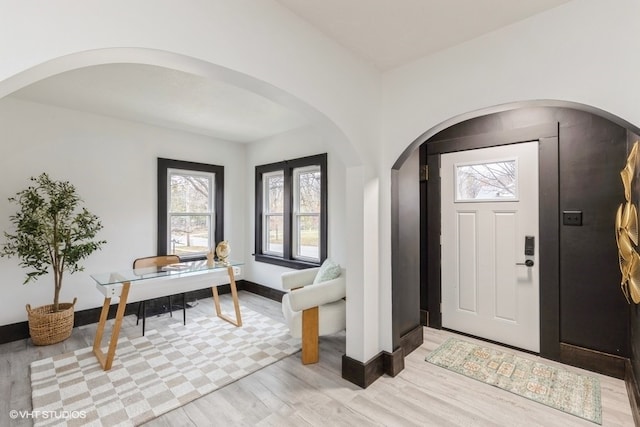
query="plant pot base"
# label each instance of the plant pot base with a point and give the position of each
(49, 327)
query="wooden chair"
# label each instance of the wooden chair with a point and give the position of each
(158, 261)
(313, 309)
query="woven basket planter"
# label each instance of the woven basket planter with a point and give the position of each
(48, 327)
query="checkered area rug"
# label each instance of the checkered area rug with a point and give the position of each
(558, 388)
(154, 374)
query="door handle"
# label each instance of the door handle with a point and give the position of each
(529, 251)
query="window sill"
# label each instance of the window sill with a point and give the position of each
(291, 263)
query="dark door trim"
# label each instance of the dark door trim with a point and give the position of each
(549, 254)
(547, 135)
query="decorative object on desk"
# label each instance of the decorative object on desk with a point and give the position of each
(223, 250)
(626, 230)
(210, 261)
(52, 231)
(158, 372)
(574, 393)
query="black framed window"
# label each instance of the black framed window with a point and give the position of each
(291, 212)
(190, 207)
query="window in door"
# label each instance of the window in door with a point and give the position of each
(490, 181)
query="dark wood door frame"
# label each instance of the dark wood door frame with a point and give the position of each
(549, 223)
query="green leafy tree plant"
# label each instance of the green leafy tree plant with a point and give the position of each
(52, 231)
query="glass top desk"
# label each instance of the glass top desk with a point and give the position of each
(145, 283)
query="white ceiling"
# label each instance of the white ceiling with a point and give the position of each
(387, 33)
(166, 98)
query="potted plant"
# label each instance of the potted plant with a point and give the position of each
(52, 232)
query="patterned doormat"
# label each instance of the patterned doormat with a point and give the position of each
(154, 374)
(558, 388)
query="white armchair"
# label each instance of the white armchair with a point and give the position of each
(312, 310)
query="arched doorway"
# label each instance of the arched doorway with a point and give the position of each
(325, 127)
(578, 284)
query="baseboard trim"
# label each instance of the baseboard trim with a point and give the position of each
(412, 340)
(365, 374)
(633, 390)
(424, 317)
(20, 330)
(393, 363)
(263, 291)
(362, 374)
(14, 332)
(593, 360)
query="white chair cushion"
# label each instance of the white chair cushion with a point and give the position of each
(329, 270)
(332, 317)
(299, 278)
(318, 294)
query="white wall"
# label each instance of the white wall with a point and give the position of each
(258, 45)
(583, 51)
(112, 163)
(297, 143)
(580, 52)
(260, 39)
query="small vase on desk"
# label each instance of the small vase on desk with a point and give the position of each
(222, 250)
(210, 261)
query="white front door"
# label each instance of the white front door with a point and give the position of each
(489, 207)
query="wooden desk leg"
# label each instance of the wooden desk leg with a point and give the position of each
(234, 295)
(310, 329)
(97, 341)
(107, 360)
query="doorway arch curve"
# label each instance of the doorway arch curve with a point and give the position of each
(398, 216)
(332, 132)
(187, 64)
(415, 144)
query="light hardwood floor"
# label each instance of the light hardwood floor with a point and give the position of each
(287, 393)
